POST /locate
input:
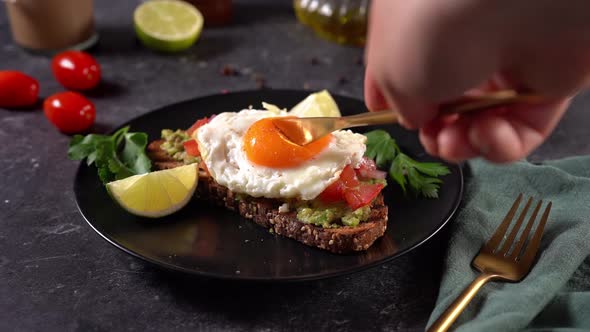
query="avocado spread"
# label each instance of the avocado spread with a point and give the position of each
(328, 216)
(173, 145)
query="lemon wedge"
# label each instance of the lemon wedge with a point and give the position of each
(316, 104)
(156, 194)
(272, 108)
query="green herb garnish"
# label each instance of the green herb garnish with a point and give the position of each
(422, 177)
(116, 157)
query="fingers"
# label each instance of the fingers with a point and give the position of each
(516, 133)
(373, 96)
(497, 135)
(448, 139)
(429, 133)
(499, 140)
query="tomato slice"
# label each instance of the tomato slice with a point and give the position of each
(349, 189)
(192, 148)
(362, 195)
(333, 193)
(197, 125)
(348, 177)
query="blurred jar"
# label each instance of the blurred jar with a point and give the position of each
(49, 26)
(215, 12)
(342, 21)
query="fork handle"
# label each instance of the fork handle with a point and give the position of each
(448, 317)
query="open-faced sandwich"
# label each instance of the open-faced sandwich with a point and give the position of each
(327, 194)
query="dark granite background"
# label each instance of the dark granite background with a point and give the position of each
(56, 274)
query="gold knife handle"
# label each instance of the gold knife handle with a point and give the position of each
(450, 315)
(489, 100)
(370, 118)
(303, 131)
(462, 105)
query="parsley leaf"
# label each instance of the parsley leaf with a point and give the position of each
(116, 157)
(381, 147)
(133, 153)
(421, 177)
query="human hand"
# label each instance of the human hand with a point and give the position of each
(421, 53)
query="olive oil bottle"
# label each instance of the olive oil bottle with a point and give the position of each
(341, 21)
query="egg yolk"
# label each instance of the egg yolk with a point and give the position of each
(265, 145)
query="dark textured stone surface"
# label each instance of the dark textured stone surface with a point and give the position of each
(58, 275)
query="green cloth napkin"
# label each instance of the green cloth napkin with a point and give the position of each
(555, 296)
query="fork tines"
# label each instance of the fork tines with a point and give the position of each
(528, 254)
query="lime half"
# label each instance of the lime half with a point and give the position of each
(156, 194)
(167, 25)
(316, 104)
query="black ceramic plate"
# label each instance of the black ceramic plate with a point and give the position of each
(212, 242)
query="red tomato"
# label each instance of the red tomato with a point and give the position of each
(348, 177)
(198, 124)
(17, 89)
(76, 70)
(348, 188)
(192, 148)
(69, 111)
(333, 193)
(363, 195)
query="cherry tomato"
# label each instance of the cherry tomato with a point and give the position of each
(69, 111)
(192, 148)
(198, 124)
(17, 89)
(76, 70)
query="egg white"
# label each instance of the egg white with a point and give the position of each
(222, 148)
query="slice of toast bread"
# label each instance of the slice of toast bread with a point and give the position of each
(265, 212)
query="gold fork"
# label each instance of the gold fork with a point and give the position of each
(495, 262)
(303, 131)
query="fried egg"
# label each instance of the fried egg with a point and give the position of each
(244, 152)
